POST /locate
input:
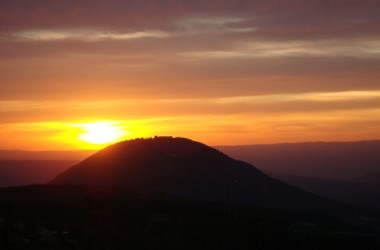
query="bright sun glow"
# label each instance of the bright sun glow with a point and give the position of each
(102, 133)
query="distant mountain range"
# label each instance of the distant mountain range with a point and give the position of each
(72, 155)
(331, 160)
(28, 172)
(362, 191)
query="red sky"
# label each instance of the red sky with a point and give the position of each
(222, 72)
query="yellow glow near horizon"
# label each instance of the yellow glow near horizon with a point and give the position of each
(100, 133)
(93, 134)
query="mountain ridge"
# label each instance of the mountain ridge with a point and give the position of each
(332, 160)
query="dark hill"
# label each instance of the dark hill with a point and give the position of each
(182, 167)
(98, 218)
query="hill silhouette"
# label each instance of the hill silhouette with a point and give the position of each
(182, 167)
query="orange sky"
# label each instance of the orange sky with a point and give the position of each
(222, 72)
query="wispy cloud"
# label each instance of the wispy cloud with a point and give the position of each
(287, 65)
(303, 97)
(213, 25)
(296, 102)
(262, 49)
(90, 35)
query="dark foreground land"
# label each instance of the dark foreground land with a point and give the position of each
(78, 217)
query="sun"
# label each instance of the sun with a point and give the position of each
(100, 133)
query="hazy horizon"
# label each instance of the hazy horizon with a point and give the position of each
(219, 145)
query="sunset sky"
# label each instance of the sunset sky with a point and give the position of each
(221, 72)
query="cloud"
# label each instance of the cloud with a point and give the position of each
(308, 97)
(285, 64)
(192, 29)
(295, 103)
(83, 35)
(271, 19)
(345, 48)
